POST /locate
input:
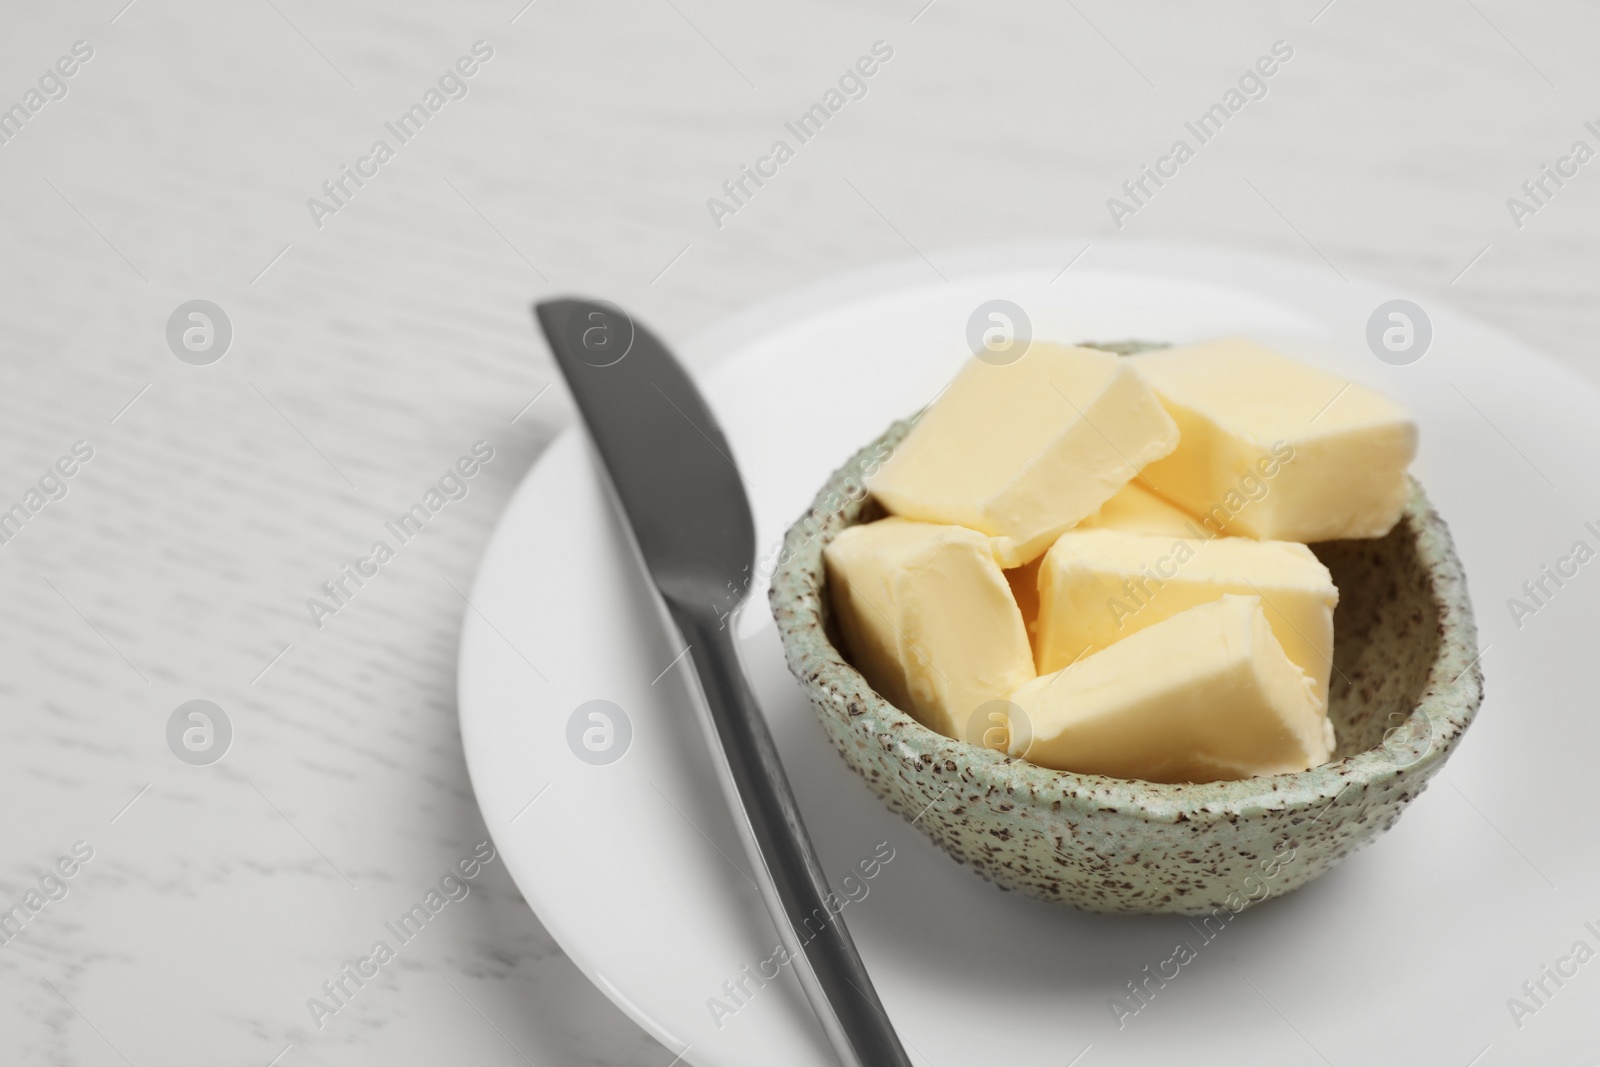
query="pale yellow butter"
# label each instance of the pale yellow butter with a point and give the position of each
(1026, 450)
(1025, 588)
(1274, 449)
(1205, 695)
(930, 622)
(1098, 587)
(1135, 509)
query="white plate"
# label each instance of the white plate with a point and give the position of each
(1407, 953)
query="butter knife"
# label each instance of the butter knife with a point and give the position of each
(674, 480)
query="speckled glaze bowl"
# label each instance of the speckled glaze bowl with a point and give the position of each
(1406, 685)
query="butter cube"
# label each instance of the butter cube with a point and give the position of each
(1274, 449)
(1135, 509)
(1097, 587)
(1205, 695)
(1024, 451)
(929, 621)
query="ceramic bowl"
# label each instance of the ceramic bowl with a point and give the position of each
(1405, 687)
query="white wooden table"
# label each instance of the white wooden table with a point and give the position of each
(374, 345)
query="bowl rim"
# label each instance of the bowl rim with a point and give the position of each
(1450, 698)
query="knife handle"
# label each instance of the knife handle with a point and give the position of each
(787, 869)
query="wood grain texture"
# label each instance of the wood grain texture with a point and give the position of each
(385, 342)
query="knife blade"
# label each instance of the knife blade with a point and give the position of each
(674, 480)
